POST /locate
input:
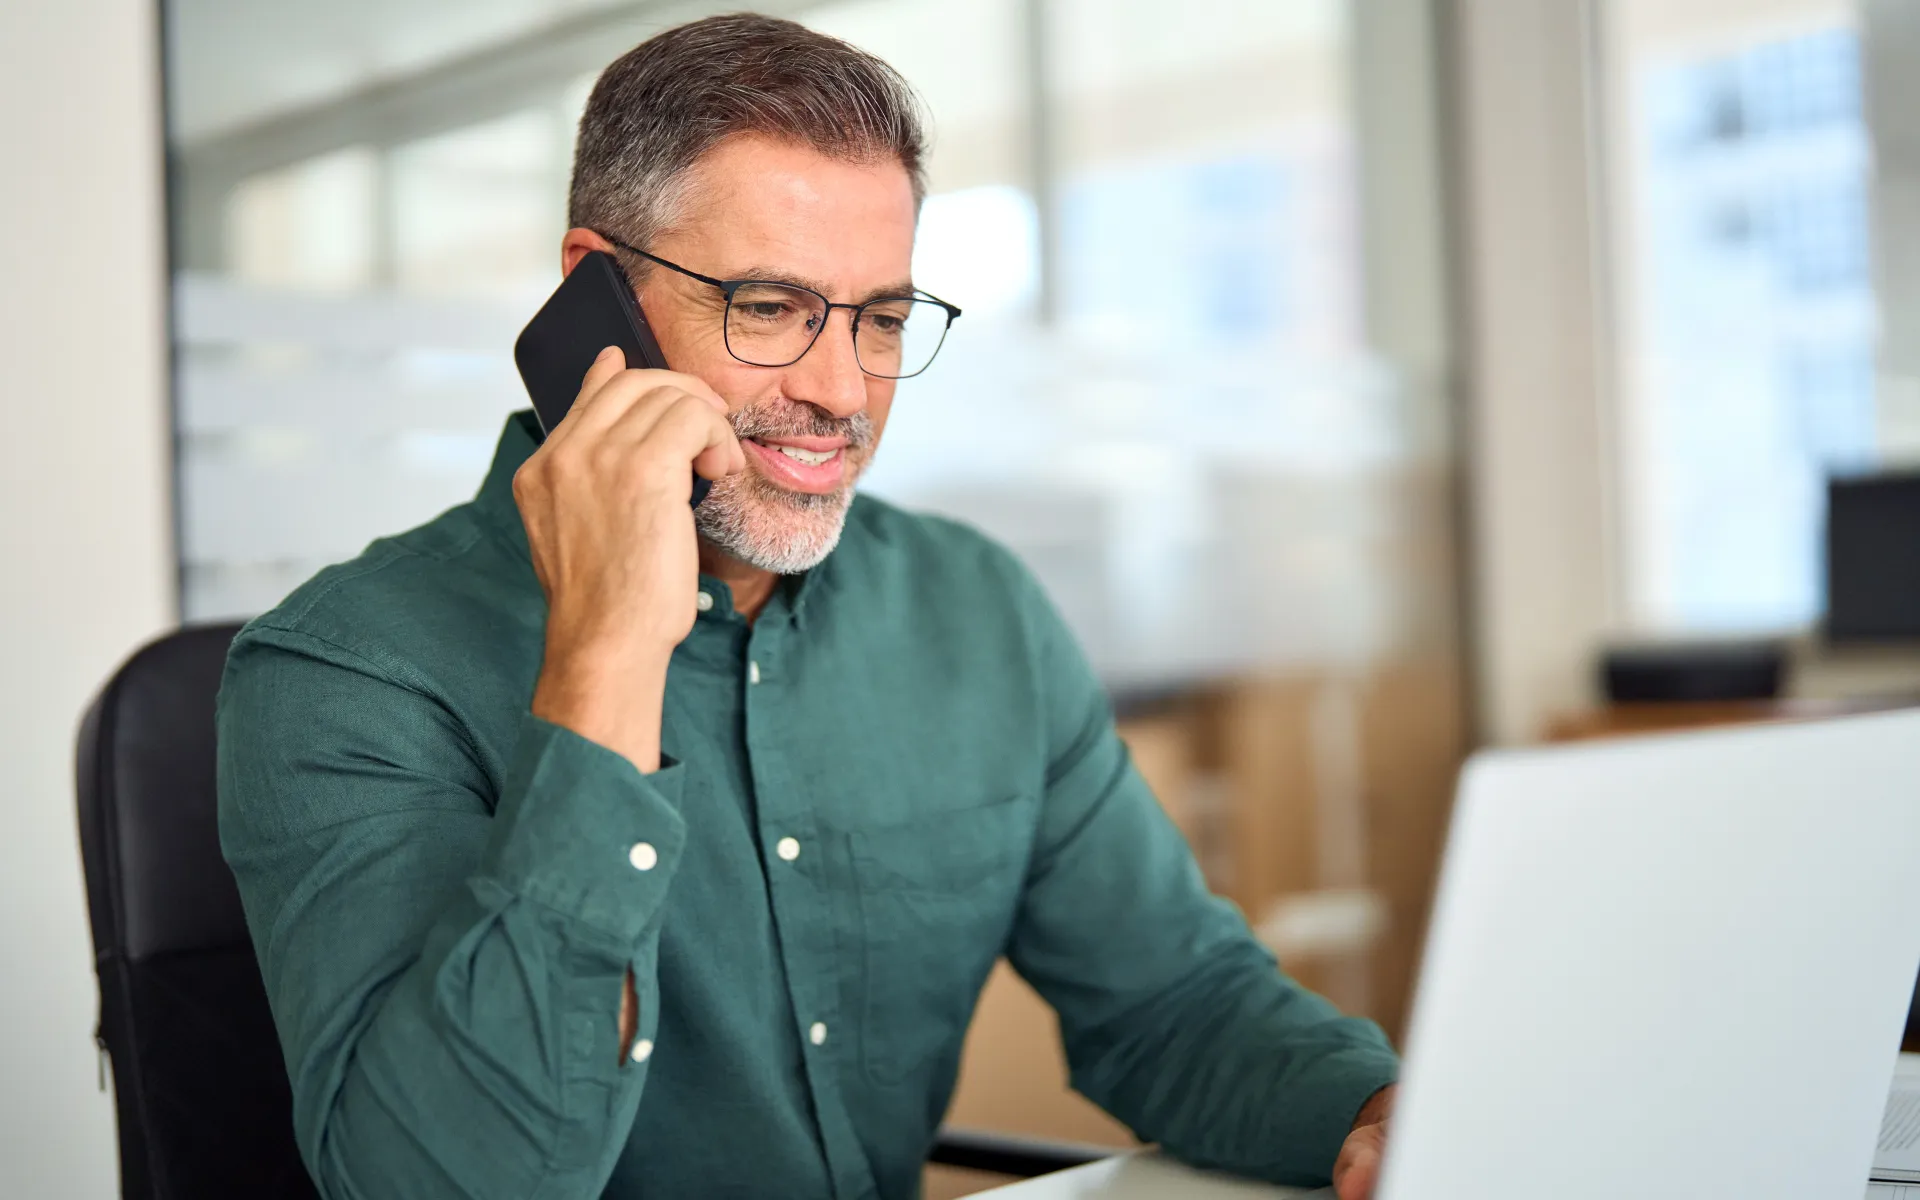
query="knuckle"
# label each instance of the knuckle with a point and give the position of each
(656, 474)
(696, 410)
(604, 459)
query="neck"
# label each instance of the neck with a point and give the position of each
(751, 587)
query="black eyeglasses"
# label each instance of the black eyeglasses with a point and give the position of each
(771, 324)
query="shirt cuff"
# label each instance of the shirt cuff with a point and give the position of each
(580, 830)
(1346, 1082)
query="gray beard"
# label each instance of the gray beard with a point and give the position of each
(736, 515)
(771, 528)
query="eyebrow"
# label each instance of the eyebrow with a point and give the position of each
(769, 275)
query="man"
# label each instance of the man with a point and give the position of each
(593, 845)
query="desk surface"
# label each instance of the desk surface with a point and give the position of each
(1149, 1176)
(1145, 1176)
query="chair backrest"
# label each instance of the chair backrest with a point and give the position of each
(200, 1088)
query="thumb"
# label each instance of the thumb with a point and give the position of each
(1357, 1171)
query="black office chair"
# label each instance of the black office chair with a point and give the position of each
(201, 1093)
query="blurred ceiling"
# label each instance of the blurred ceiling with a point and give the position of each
(235, 63)
(256, 83)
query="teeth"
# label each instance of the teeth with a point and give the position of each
(812, 458)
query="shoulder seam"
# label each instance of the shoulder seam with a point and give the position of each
(372, 667)
(393, 550)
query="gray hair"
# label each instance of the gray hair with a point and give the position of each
(662, 105)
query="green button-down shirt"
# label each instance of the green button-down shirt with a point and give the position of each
(903, 770)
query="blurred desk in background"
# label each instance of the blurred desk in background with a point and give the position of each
(1628, 720)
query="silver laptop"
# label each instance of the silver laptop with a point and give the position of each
(1897, 1157)
(1669, 967)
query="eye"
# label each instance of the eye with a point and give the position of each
(765, 310)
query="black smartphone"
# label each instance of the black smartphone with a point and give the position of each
(593, 308)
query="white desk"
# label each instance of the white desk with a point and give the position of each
(1145, 1176)
(1149, 1176)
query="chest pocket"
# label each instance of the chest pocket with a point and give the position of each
(937, 898)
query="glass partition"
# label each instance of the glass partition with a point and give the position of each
(1202, 385)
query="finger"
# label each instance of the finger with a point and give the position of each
(693, 385)
(609, 362)
(720, 461)
(647, 378)
(606, 366)
(670, 425)
(1357, 1170)
(704, 436)
(614, 402)
(637, 421)
(1361, 1177)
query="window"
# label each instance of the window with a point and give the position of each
(310, 226)
(477, 211)
(1751, 308)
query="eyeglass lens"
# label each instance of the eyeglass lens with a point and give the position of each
(773, 325)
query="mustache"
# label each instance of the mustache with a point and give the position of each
(789, 419)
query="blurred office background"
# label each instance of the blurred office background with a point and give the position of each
(1353, 373)
(1202, 386)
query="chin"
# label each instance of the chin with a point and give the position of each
(771, 528)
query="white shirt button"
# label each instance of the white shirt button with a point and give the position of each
(753, 672)
(643, 856)
(703, 602)
(787, 848)
(642, 1050)
(818, 1034)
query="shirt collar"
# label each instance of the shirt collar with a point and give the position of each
(518, 441)
(522, 436)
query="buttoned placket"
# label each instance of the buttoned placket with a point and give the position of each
(792, 861)
(797, 886)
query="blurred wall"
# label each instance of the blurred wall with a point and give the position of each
(85, 563)
(1538, 440)
(1892, 35)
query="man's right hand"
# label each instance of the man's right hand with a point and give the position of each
(604, 502)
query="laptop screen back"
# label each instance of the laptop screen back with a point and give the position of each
(1673, 966)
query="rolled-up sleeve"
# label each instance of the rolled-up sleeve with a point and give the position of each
(1175, 1019)
(444, 941)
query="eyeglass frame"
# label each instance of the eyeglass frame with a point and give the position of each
(729, 286)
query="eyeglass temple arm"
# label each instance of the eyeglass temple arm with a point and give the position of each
(953, 310)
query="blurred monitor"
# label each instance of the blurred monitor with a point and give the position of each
(1873, 557)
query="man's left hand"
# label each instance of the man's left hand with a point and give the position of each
(1357, 1170)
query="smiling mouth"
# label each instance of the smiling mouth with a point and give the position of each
(815, 465)
(812, 458)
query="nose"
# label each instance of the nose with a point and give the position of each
(828, 376)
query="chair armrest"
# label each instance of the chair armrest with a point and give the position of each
(1009, 1154)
